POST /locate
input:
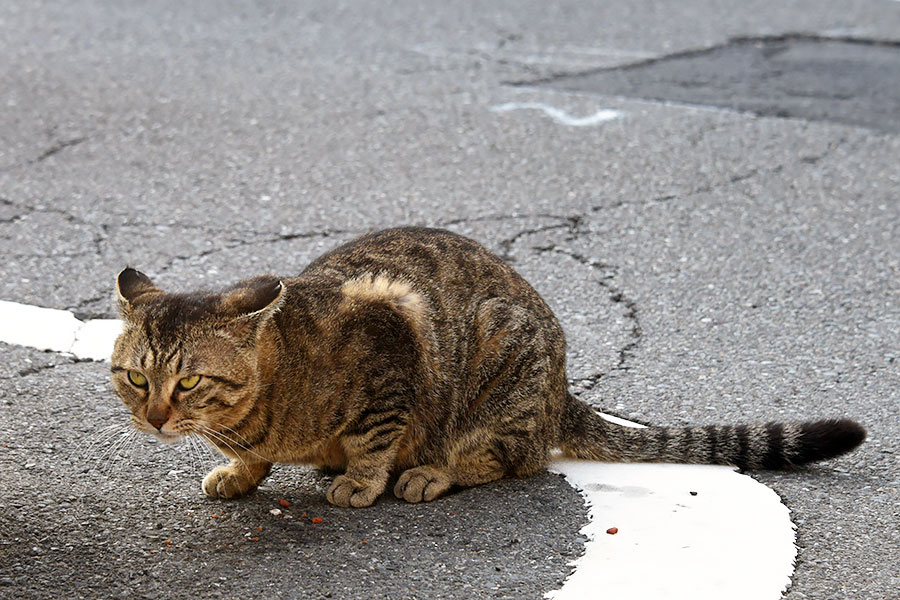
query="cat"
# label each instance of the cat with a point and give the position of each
(412, 353)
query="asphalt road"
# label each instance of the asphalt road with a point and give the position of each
(708, 265)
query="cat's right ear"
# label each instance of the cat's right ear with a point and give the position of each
(132, 288)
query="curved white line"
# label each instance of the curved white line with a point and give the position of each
(733, 539)
(601, 116)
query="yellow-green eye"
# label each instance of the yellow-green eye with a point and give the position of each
(188, 383)
(137, 379)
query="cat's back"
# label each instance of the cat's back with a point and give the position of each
(450, 269)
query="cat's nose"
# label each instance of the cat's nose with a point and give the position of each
(157, 417)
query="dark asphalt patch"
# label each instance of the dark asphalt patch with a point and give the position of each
(856, 82)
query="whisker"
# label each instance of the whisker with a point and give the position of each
(201, 445)
(110, 447)
(198, 450)
(246, 441)
(95, 439)
(191, 453)
(238, 456)
(230, 441)
(126, 453)
(113, 453)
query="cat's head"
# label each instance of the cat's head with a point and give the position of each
(189, 363)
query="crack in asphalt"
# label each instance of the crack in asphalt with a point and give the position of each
(35, 370)
(513, 217)
(507, 244)
(238, 243)
(61, 359)
(730, 180)
(27, 210)
(616, 295)
(815, 159)
(79, 309)
(606, 274)
(59, 147)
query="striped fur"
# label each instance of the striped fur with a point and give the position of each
(748, 447)
(409, 354)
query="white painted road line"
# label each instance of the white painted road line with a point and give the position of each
(734, 539)
(683, 531)
(57, 330)
(601, 116)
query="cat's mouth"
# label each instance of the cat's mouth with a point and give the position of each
(163, 436)
(168, 438)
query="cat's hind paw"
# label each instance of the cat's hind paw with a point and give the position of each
(348, 492)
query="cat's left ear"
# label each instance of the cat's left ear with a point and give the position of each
(251, 302)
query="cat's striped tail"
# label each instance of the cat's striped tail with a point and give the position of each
(586, 435)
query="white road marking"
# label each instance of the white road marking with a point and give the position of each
(733, 539)
(57, 330)
(601, 116)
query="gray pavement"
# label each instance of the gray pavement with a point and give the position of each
(708, 265)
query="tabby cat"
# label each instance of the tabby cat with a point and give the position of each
(408, 352)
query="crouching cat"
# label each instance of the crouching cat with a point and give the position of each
(410, 352)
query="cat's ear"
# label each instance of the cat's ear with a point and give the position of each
(132, 288)
(251, 303)
(254, 298)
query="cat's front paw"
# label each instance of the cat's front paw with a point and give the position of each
(423, 483)
(227, 482)
(348, 492)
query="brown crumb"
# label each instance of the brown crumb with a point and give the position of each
(284, 503)
(612, 530)
(317, 520)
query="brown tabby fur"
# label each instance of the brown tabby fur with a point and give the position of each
(410, 352)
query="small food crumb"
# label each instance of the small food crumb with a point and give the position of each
(303, 516)
(317, 520)
(214, 516)
(693, 493)
(276, 512)
(612, 530)
(284, 503)
(255, 539)
(259, 528)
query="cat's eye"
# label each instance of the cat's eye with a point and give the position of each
(137, 379)
(188, 383)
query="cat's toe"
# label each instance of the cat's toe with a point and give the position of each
(422, 484)
(211, 482)
(348, 492)
(221, 482)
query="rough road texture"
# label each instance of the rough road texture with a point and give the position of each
(707, 266)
